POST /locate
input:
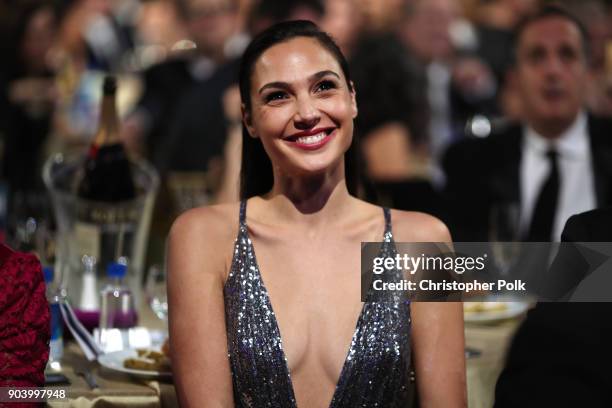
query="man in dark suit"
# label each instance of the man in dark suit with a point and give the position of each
(561, 354)
(555, 164)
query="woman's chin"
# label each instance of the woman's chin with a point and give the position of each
(316, 168)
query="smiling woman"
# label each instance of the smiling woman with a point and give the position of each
(300, 112)
(303, 338)
(278, 98)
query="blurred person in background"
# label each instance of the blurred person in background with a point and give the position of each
(555, 163)
(209, 24)
(393, 115)
(27, 95)
(391, 97)
(178, 91)
(459, 83)
(95, 36)
(495, 22)
(343, 21)
(596, 15)
(98, 34)
(379, 15)
(265, 13)
(538, 370)
(159, 26)
(423, 92)
(559, 356)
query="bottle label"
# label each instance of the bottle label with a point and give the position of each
(89, 292)
(87, 239)
(94, 213)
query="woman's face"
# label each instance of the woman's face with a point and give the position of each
(301, 107)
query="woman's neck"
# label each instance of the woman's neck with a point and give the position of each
(315, 200)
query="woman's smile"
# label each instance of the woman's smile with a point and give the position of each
(311, 140)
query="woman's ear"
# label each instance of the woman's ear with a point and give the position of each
(354, 100)
(247, 120)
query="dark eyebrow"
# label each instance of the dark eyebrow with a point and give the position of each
(322, 74)
(282, 85)
(285, 85)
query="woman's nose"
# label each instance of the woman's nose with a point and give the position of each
(306, 115)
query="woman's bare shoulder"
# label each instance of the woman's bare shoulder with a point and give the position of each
(215, 221)
(413, 226)
(205, 234)
(410, 226)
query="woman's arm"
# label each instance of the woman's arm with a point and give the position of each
(198, 340)
(437, 329)
(439, 354)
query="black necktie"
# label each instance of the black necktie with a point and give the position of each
(543, 216)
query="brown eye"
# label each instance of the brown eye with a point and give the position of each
(568, 53)
(536, 55)
(275, 96)
(325, 86)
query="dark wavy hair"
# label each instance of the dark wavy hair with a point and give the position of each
(256, 175)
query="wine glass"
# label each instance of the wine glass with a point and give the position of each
(504, 233)
(155, 291)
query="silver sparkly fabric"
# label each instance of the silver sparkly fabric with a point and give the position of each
(376, 369)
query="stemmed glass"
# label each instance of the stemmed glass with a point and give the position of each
(30, 226)
(155, 291)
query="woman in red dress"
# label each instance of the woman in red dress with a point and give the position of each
(24, 320)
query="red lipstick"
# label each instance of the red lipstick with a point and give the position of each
(308, 140)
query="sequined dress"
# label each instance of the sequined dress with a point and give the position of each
(376, 370)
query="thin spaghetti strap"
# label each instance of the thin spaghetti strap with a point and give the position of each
(388, 235)
(242, 214)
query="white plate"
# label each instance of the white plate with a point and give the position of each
(512, 309)
(114, 361)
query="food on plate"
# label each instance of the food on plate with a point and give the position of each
(148, 360)
(481, 307)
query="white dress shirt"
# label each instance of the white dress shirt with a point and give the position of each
(577, 181)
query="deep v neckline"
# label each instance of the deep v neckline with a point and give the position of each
(386, 237)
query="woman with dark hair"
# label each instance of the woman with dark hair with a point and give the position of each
(304, 338)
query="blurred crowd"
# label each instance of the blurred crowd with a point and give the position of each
(429, 74)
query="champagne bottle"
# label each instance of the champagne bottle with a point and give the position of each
(106, 220)
(107, 174)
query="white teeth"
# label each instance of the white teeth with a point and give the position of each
(312, 139)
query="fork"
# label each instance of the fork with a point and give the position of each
(88, 377)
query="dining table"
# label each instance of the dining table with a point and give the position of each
(93, 385)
